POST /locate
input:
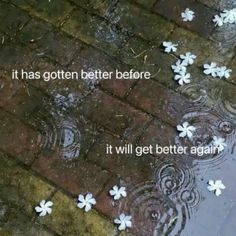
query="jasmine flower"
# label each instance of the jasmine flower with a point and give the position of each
(186, 130)
(183, 78)
(179, 67)
(210, 69)
(169, 47)
(187, 15)
(223, 71)
(188, 58)
(86, 202)
(118, 192)
(219, 143)
(216, 186)
(44, 208)
(218, 20)
(124, 222)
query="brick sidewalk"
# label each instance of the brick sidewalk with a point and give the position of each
(107, 35)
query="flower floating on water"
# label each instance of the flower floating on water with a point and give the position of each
(227, 16)
(183, 78)
(188, 58)
(86, 202)
(216, 186)
(123, 221)
(117, 193)
(169, 47)
(219, 143)
(179, 67)
(187, 15)
(223, 71)
(44, 208)
(210, 69)
(186, 130)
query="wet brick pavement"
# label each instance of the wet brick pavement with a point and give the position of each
(53, 134)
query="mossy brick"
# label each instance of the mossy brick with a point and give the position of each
(117, 116)
(12, 19)
(99, 7)
(140, 167)
(91, 59)
(54, 12)
(205, 50)
(202, 22)
(68, 219)
(159, 101)
(20, 187)
(94, 31)
(14, 222)
(17, 139)
(145, 3)
(141, 22)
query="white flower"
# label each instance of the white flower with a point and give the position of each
(124, 222)
(44, 208)
(170, 47)
(86, 202)
(188, 58)
(219, 143)
(187, 15)
(183, 78)
(218, 20)
(179, 67)
(118, 192)
(229, 16)
(215, 186)
(186, 130)
(210, 69)
(223, 71)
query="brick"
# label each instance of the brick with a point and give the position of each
(232, 66)
(202, 23)
(17, 139)
(72, 176)
(115, 115)
(12, 19)
(99, 7)
(90, 60)
(141, 22)
(162, 103)
(146, 3)
(94, 31)
(53, 12)
(140, 167)
(146, 57)
(158, 133)
(18, 184)
(65, 212)
(205, 50)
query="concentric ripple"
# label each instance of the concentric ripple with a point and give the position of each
(153, 213)
(208, 124)
(61, 136)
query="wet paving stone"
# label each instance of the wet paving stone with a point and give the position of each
(164, 104)
(12, 19)
(232, 66)
(92, 30)
(15, 132)
(91, 60)
(73, 176)
(99, 7)
(80, 223)
(202, 23)
(18, 184)
(205, 50)
(115, 115)
(140, 167)
(141, 22)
